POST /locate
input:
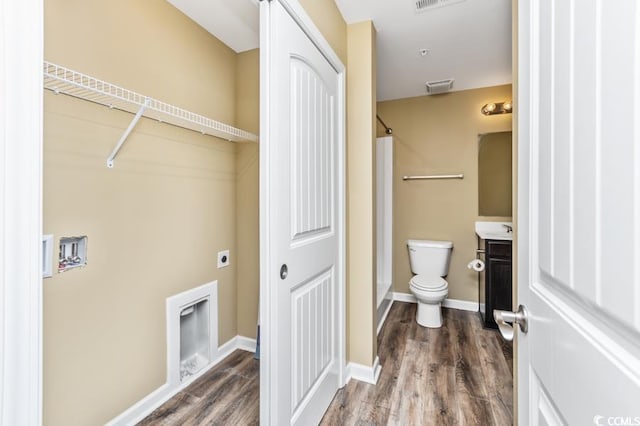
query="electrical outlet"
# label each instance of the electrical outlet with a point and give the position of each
(223, 258)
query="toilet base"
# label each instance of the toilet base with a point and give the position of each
(429, 315)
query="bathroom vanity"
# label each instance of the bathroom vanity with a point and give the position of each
(495, 287)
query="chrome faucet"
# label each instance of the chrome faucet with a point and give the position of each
(509, 228)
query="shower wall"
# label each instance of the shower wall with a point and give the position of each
(384, 216)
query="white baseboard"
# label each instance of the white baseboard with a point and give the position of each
(404, 297)
(146, 405)
(364, 373)
(463, 305)
(245, 343)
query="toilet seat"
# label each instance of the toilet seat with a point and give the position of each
(428, 283)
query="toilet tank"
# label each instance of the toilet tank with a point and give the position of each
(430, 257)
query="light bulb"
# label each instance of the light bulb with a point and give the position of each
(488, 108)
(507, 106)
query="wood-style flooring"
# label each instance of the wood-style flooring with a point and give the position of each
(457, 374)
(228, 394)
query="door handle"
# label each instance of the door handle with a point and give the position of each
(503, 318)
(284, 271)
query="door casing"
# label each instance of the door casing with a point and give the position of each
(21, 56)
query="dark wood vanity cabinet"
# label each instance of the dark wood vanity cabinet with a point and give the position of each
(496, 285)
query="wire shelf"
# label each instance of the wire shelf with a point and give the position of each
(73, 83)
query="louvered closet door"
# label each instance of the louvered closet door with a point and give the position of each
(304, 223)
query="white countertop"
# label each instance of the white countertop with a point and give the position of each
(494, 230)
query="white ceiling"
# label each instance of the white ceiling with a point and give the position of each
(469, 41)
(235, 22)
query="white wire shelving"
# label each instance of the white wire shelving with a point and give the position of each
(73, 83)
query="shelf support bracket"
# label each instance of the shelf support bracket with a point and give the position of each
(124, 137)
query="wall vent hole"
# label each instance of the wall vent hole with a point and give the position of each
(440, 86)
(422, 5)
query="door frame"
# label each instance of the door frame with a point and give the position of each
(267, 351)
(525, 106)
(21, 57)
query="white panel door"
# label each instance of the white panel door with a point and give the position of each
(579, 211)
(302, 214)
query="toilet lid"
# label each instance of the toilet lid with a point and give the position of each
(428, 283)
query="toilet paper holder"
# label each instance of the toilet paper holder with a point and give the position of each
(477, 265)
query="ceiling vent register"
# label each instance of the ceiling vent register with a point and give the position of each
(423, 5)
(440, 86)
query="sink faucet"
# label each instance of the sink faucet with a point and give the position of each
(509, 228)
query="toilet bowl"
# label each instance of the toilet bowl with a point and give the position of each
(430, 292)
(429, 260)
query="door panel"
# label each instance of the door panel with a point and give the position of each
(544, 413)
(579, 243)
(302, 256)
(587, 192)
(313, 334)
(312, 191)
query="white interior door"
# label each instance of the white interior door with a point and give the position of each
(579, 212)
(302, 214)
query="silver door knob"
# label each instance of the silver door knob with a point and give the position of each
(284, 271)
(503, 318)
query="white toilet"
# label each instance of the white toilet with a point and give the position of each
(429, 260)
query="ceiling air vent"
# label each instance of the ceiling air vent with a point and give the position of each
(422, 5)
(440, 86)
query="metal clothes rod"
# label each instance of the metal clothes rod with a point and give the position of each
(460, 176)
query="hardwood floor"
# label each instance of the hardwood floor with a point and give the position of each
(228, 394)
(457, 374)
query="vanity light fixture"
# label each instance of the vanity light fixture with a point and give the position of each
(505, 107)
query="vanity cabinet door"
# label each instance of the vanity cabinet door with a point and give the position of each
(498, 279)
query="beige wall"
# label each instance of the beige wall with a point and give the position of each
(435, 135)
(248, 193)
(361, 221)
(154, 222)
(104, 324)
(327, 17)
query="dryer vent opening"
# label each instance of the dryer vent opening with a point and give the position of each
(192, 332)
(194, 338)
